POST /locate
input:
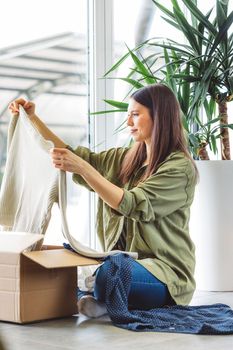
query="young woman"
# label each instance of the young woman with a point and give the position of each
(145, 193)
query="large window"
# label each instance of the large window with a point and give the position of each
(56, 53)
(138, 22)
(135, 24)
(43, 57)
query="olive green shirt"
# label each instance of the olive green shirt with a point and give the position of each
(156, 214)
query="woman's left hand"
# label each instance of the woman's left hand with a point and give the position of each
(66, 160)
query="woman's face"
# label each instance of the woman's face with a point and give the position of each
(139, 121)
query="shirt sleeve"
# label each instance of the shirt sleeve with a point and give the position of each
(107, 163)
(160, 195)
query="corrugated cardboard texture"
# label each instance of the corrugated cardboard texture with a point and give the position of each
(59, 258)
(46, 293)
(9, 286)
(37, 285)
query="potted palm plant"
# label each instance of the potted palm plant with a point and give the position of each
(200, 74)
(209, 55)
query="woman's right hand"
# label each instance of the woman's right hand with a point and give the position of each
(27, 105)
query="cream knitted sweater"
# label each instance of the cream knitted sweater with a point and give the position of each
(31, 185)
(30, 182)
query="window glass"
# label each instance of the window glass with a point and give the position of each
(122, 39)
(131, 27)
(44, 59)
(204, 6)
(144, 21)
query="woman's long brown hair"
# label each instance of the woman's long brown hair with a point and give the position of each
(167, 134)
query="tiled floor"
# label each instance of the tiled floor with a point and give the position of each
(81, 333)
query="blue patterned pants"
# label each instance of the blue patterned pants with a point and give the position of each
(147, 292)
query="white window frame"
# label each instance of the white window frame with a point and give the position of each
(100, 50)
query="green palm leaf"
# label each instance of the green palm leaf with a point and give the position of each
(135, 83)
(222, 33)
(121, 105)
(108, 111)
(164, 9)
(187, 30)
(141, 68)
(198, 14)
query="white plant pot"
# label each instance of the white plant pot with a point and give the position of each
(211, 226)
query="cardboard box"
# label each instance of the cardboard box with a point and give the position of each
(39, 284)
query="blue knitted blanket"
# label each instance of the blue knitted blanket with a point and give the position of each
(205, 319)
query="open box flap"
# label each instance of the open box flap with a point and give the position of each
(57, 258)
(17, 242)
